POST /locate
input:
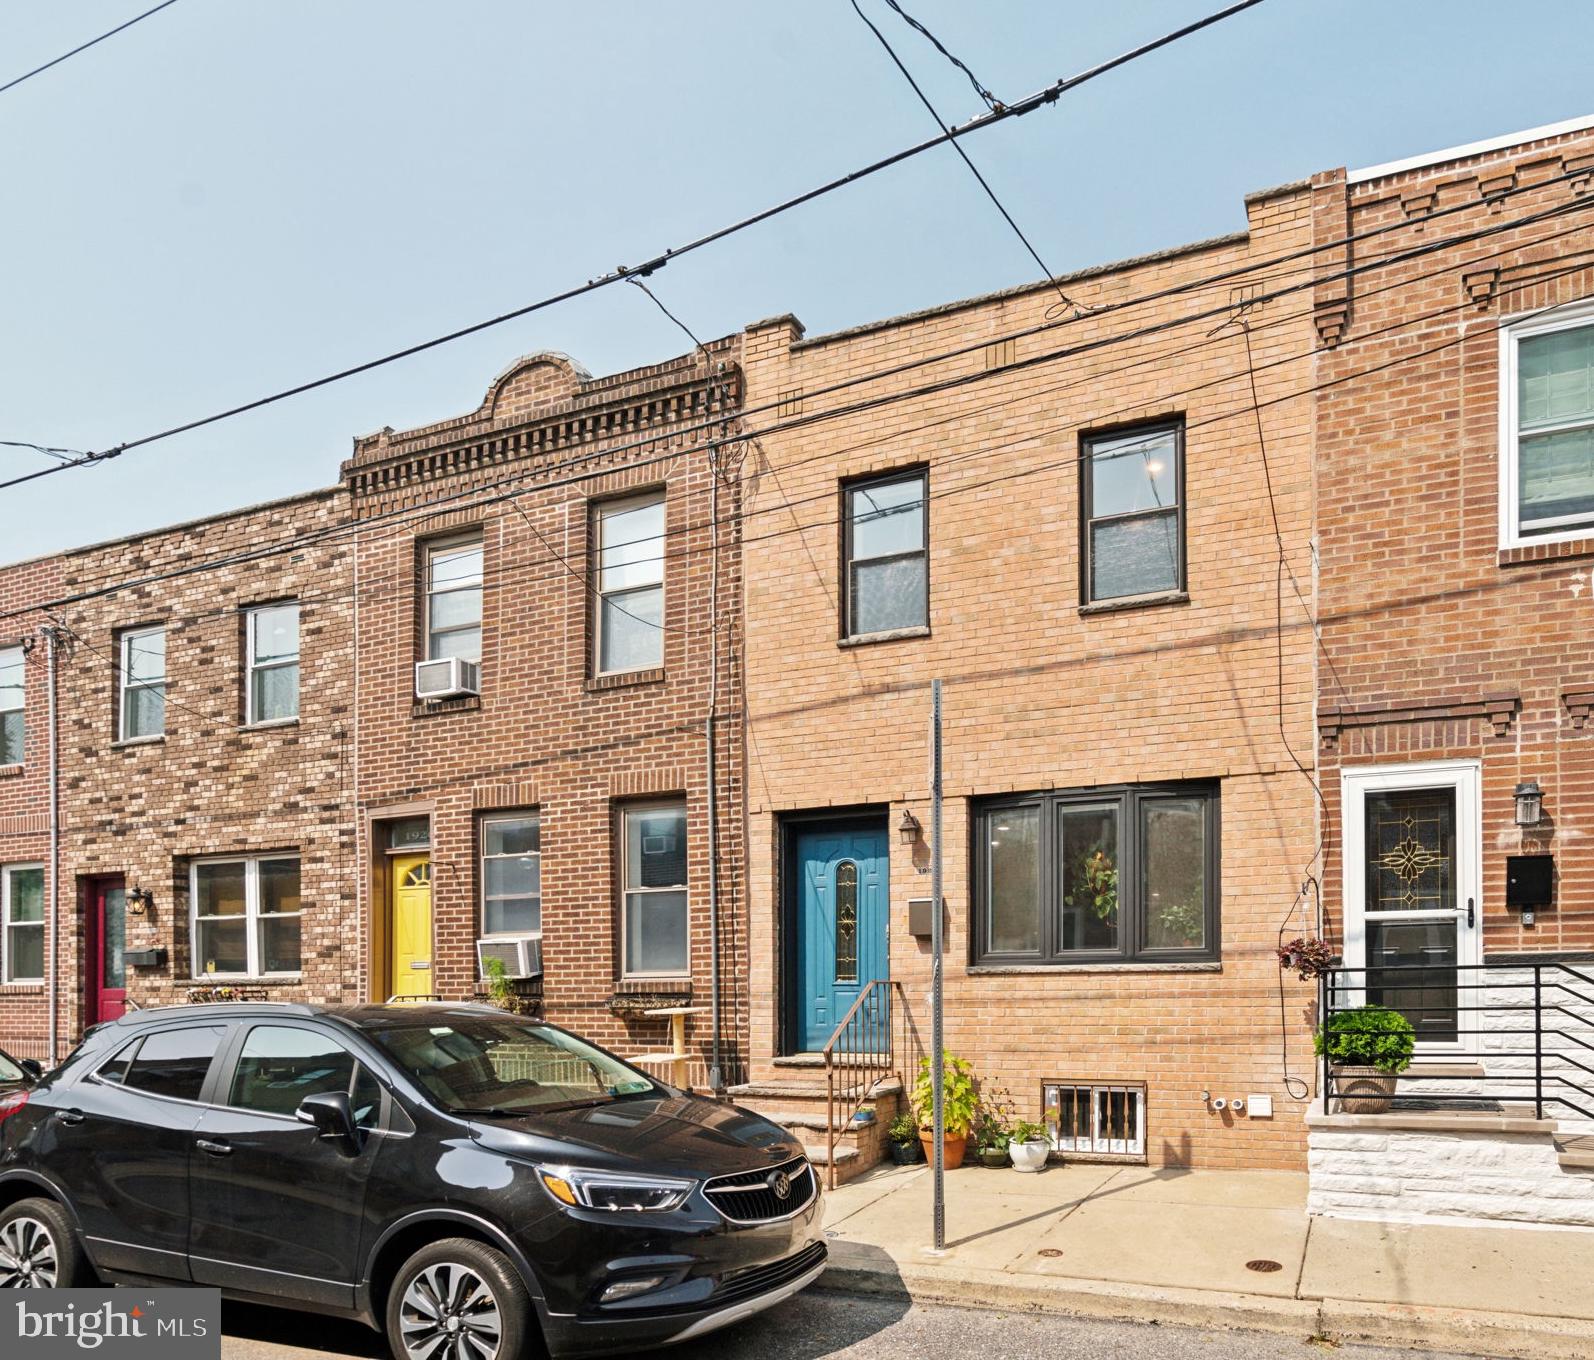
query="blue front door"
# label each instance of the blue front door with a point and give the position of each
(843, 887)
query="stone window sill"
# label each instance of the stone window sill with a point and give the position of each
(890, 635)
(275, 725)
(130, 743)
(1537, 554)
(653, 675)
(22, 989)
(1134, 602)
(11, 771)
(1063, 969)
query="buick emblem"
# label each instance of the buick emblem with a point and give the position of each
(780, 1183)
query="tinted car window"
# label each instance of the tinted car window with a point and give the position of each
(9, 1071)
(280, 1065)
(174, 1062)
(115, 1071)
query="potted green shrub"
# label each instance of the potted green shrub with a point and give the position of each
(993, 1126)
(1368, 1048)
(902, 1136)
(1028, 1146)
(958, 1105)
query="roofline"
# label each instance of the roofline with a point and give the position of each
(1457, 153)
(319, 493)
(1094, 271)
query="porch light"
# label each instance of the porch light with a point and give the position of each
(1530, 803)
(908, 828)
(139, 900)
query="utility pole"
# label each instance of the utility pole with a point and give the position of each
(937, 1065)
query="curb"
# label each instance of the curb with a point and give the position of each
(1519, 1336)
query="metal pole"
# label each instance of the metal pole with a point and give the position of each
(55, 853)
(937, 1062)
(1538, 1041)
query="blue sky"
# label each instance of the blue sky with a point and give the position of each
(233, 197)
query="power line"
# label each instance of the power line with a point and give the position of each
(84, 47)
(990, 100)
(1049, 95)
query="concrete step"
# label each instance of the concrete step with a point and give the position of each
(1575, 1154)
(792, 1088)
(819, 1155)
(810, 1119)
(817, 1060)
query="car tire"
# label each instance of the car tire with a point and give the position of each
(39, 1248)
(456, 1287)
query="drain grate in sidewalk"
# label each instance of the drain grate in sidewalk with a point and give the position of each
(1263, 1267)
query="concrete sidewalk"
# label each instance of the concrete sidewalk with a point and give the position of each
(1173, 1246)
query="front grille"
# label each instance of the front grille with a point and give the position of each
(749, 1284)
(749, 1197)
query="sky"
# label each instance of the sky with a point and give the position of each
(235, 196)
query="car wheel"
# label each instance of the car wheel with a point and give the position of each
(39, 1247)
(458, 1300)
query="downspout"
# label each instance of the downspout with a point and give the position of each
(716, 1079)
(362, 958)
(55, 852)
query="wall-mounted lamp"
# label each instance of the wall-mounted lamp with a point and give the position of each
(139, 900)
(1530, 803)
(908, 828)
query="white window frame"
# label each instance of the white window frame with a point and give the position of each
(18, 657)
(1098, 1142)
(601, 510)
(6, 871)
(254, 666)
(126, 684)
(1466, 778)
(529, 815)
(622, 845)
(1515, 330)
(252, 915)
(432, 550)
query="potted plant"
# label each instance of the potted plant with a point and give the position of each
(958, 1104)
(903, 1138)
(1029, 1147)
(993, 1126)
(1369, 1047)
(1307, 957)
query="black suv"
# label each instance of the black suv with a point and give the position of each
(468, 1181)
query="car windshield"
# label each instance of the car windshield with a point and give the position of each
(498, 1065)
(9, 1071)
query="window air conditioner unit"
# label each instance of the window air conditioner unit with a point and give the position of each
(522, 957)
(446, 678)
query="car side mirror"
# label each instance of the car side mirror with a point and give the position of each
(32, 1067)
(332, 1116)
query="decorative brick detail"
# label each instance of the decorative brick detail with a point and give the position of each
(519, 795)
(1579, 703)
(1419, 203)
(1493, 187)
(1480, 284)
(1499, 709)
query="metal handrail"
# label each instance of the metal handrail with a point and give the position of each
(862, 1050)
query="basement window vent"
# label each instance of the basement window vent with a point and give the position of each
(1098, 1120)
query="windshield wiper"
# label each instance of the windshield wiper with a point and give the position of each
(497, 1111)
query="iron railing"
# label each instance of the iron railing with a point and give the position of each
(876, 1040)
(1518, 1033)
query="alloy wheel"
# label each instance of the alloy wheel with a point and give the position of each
(449, 1312)
(27, 1255)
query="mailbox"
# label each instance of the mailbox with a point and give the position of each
(1529, 881)
(144, 958)
(920, 923)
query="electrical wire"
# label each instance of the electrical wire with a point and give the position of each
(1048, 95)
(990, 100)
(84, 47)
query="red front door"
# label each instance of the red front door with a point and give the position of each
(104, 938)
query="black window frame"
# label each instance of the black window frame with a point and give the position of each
(1173, 425)
(1131, 949)
(916, 471)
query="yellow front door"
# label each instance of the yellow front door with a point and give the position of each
(412, 925)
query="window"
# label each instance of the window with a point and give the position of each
(281, 1065)
(511, 876)
(654, 914)
(1131, 496)
(1547, 428)
(173, 1062)
(1104, 1121)
(13, 672)
(454, 600)
(273, 680)
(1098, 876)
(245, 916)
(630, 609)
(143, 682)
(22, 911)
(887, 584)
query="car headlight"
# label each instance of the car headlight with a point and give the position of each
(614, 1190)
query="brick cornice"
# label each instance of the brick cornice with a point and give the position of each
(1499, 708)
(1579, 704)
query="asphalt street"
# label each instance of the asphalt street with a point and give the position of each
(817, 1325)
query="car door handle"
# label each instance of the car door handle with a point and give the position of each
(215, 1149)
(69, 1116)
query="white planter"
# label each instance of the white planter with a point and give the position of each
(1029, 1156)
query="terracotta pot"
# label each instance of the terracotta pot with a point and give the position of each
(954, 1148)
(1364, 1090)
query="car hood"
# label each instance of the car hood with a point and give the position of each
(684, 1135)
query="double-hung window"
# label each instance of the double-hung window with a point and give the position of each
(454, 600)
(22, 919)
(1098, 876)
(1131, 499)
(512, 875)
(143, 684)
(629, 536)
(1547, 428)
(885, 551)
(245, 916)
(653, 890)
(273, 646)
(13, 672)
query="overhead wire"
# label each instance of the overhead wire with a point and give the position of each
(84, 47)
